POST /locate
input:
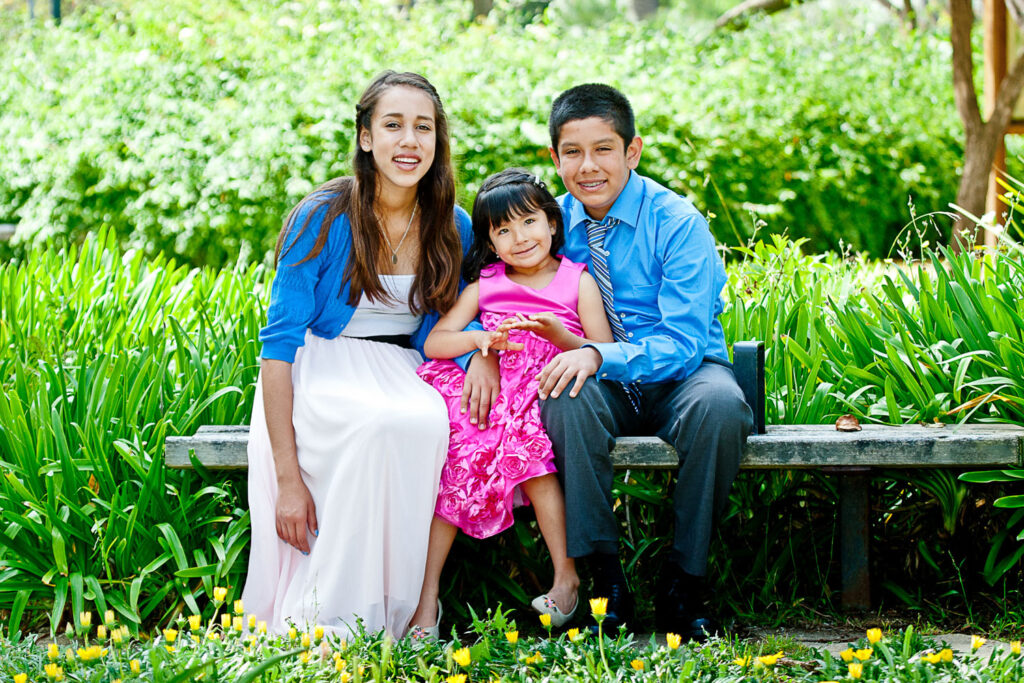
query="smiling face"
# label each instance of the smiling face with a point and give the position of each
(594, 163)
(524, 241)
(401, 137)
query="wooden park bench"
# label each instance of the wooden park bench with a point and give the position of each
(851, 455)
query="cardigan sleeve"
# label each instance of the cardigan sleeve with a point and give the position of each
(292, 294)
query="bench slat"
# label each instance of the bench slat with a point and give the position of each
(782, 447)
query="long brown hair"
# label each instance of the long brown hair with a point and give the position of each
(435, 286)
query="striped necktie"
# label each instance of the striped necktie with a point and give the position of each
(596, 233)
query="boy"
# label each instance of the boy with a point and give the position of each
(668, 370)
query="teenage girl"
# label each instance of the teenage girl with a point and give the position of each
(347, 444)
(532, 306)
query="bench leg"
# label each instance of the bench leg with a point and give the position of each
(855, 537)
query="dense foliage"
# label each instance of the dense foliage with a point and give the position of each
(190, 128)
(103, 354)
(237, 649)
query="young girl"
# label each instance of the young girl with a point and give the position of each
(532, 306)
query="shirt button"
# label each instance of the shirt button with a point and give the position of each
(604, 374)
(630, 335)
(622, 315)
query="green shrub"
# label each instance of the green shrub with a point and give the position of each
(190, 128)
(105, 353)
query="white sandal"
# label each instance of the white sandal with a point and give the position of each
(428, 632)
(546, 605)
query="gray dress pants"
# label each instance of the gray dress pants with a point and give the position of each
(704, 416)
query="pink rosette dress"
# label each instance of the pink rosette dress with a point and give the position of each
(484, 467)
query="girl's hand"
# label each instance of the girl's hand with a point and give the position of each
(497, 340)
(544, 325)
(296, 513)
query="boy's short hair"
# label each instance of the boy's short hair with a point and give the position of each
(592, 99)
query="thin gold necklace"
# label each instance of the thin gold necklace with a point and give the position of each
(394, 251)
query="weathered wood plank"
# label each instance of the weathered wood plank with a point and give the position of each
(782, 447)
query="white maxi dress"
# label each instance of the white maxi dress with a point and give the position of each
(371, 438)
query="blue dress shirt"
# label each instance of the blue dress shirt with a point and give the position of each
(312, 295)
(667, 281)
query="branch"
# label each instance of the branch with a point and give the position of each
(735, 16)
(1009, 91)
(962, 15)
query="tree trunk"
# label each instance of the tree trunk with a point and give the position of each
(644, 8)
(481, 8)
(981, 137)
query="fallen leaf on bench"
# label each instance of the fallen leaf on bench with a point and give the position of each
(847, 423)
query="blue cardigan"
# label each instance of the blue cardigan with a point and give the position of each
(306, 296)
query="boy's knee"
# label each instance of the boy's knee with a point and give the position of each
(565, 407)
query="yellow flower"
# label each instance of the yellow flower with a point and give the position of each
(219, 593)
(545, 620)
(512, 636)
(864, 654)
(305, 640)
(462, 657)
(108, 617)
(574, 634)
(236, 623)
(20, 678)
(304, 657)
(170, 648)
(932, 657)
(976, 642)
(85, 618)
(195, 622)
(292, 633)
(673, 640)
(170, 635)
(345, 677)
(769, 660)
(116, 636)
(214, 635)
(946, 654)
(135, 666)
(874, 635)
(598, 606)
(239, 607)
(741, 661)
(195, 638)
(318, 632)
(847, 654)
(1015, 647)
(637, 664)
(101, 632)
(251, 621)
(535, 658)
(456, 678)
(52, 651)
(69, 654)
(261, 627)
(53, 672)
(856, 670)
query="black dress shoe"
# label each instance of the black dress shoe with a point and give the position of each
(620, 606)
(682, 610)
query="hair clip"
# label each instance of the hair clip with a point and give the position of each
(538, 182)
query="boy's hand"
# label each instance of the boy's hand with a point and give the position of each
(578, 364)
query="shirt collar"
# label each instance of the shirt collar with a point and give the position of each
(626, 207)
